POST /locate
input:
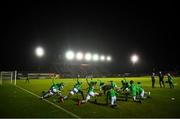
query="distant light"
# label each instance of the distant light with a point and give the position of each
(134, 58)
(88, 56)
(39, 51)
(79, 56)
(95, 57)
(70, 55)
(108, 58)
(102, 58)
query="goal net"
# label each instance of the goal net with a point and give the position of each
(8, 77)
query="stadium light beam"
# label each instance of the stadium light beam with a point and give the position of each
(79, 56)
(134, 58)
(102, 58)
(39, 51)
(69, 55)
(108, 58)
(95, 57)
(88, 56)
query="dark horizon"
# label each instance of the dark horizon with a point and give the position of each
(148, 29)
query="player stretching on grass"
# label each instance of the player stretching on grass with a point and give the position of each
(90, 92)
(133, 89)
(141, 92)
(54, 89)
(170, 80)
(124, 84)
(77, 88)
(125, 89)
(111, 95)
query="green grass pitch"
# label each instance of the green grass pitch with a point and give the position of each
(15, 102)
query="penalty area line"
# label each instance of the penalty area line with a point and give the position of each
(49, 102)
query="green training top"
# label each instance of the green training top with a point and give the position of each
(90, 88)
(78, 86)
(133, 89)
(113, 85)
(139, 88)
(59, 86)
(55, 86)
(112, 93)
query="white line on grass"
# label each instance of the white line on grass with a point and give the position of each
(57, 106)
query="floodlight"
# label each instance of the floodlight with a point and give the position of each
(39, 51)
(70, 55)
(134, 58)
(79, 56)
(95, 57)
(88, 56)
(108, 58)
(102, 58)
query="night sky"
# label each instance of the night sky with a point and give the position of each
(120, 29)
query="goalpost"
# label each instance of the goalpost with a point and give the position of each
(8, 76)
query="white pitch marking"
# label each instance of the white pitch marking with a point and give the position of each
(57, 106)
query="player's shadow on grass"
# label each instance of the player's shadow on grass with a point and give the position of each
(121, 99)
(90, 101)
(97, 103)
(75, 100)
